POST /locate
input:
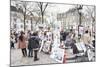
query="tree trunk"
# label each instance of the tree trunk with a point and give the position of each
(24, 19)
(42, 18)
(31, 25)
(80, 19)
(24, 24)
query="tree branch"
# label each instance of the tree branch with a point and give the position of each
(45, 7)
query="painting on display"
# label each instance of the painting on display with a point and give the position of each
(47, 33)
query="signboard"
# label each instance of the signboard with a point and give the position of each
(81, 46)
(90, 55)
(57, 54)
(81, 30)
(56, 38)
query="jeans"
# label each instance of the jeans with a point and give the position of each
(24, 52)
(30, 54)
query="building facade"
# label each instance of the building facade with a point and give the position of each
(70, 19)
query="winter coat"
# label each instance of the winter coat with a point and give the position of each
(33, 42)
(62, 36)
(86, 39)
(22, 44)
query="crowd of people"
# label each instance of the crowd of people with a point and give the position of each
(32, 41)
(43, 40)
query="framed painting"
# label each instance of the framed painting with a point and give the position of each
(51, 33)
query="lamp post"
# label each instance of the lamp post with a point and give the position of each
(80, 14)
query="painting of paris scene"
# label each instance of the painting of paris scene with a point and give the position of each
(51, 33)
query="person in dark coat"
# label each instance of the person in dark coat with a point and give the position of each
(71, 42)
(30, 48)
(34, 45)
(73, 46)
(12, 40)
(62, 36)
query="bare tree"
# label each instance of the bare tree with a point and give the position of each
(42, 7)
(27, 8)
(91, 13)
(35, 18)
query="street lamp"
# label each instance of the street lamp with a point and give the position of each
(80, 14)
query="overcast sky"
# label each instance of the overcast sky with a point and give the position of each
(59, 8)
(54, 7)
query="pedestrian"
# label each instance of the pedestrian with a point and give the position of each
(16, 36)
(30, 47)
(34, 43)
(12, 41)
(62, 35)
(22, 44)
(86, 38)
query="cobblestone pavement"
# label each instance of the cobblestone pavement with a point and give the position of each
(17, 59)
